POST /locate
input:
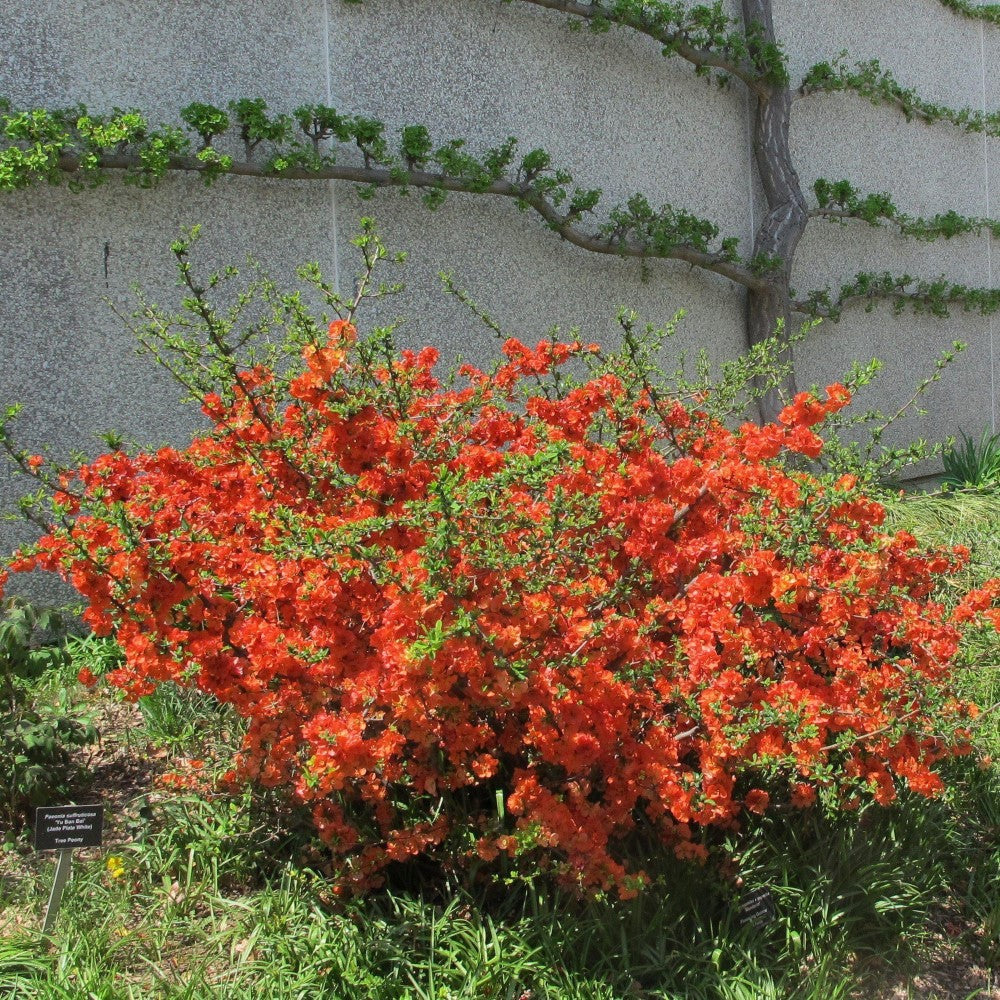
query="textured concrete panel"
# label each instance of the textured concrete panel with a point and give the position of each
(990, 43)
(907, 345)
(991, 149)
(609, 107)
(992, 155)
(927, 168)
(65, 355)
(831, 254)
(161, 56)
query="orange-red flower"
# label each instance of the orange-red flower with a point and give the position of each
(462, 628)
(87, 677)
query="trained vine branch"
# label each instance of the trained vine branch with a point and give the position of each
(879, 86)
(704, 35)
(52, 145)
(983, 12)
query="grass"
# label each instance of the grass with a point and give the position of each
(971, 519)
(172, 930)
(198, 896)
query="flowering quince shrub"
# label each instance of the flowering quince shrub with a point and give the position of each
(516, 619)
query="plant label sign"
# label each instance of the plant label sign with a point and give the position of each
(757, 908)
(62, 828)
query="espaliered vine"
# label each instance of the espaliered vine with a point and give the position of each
(983, 12)
(704, 34)
(318, 142)
(83, 148)
(840, 200)
(879, 86)
(936, 297)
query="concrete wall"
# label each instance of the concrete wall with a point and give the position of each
(928, 168)
(609, 107)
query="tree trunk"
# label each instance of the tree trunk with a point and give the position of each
(779, 232)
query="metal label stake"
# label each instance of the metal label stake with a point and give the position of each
(55, 897)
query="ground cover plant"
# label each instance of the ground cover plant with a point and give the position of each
(973, 463)
(549, 621)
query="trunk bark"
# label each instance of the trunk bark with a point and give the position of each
(785, 221)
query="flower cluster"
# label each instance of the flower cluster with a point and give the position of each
(514, 629)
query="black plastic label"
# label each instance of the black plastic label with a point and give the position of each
(757, 907)
(59, 828)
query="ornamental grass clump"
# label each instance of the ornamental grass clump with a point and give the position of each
(515, 621)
